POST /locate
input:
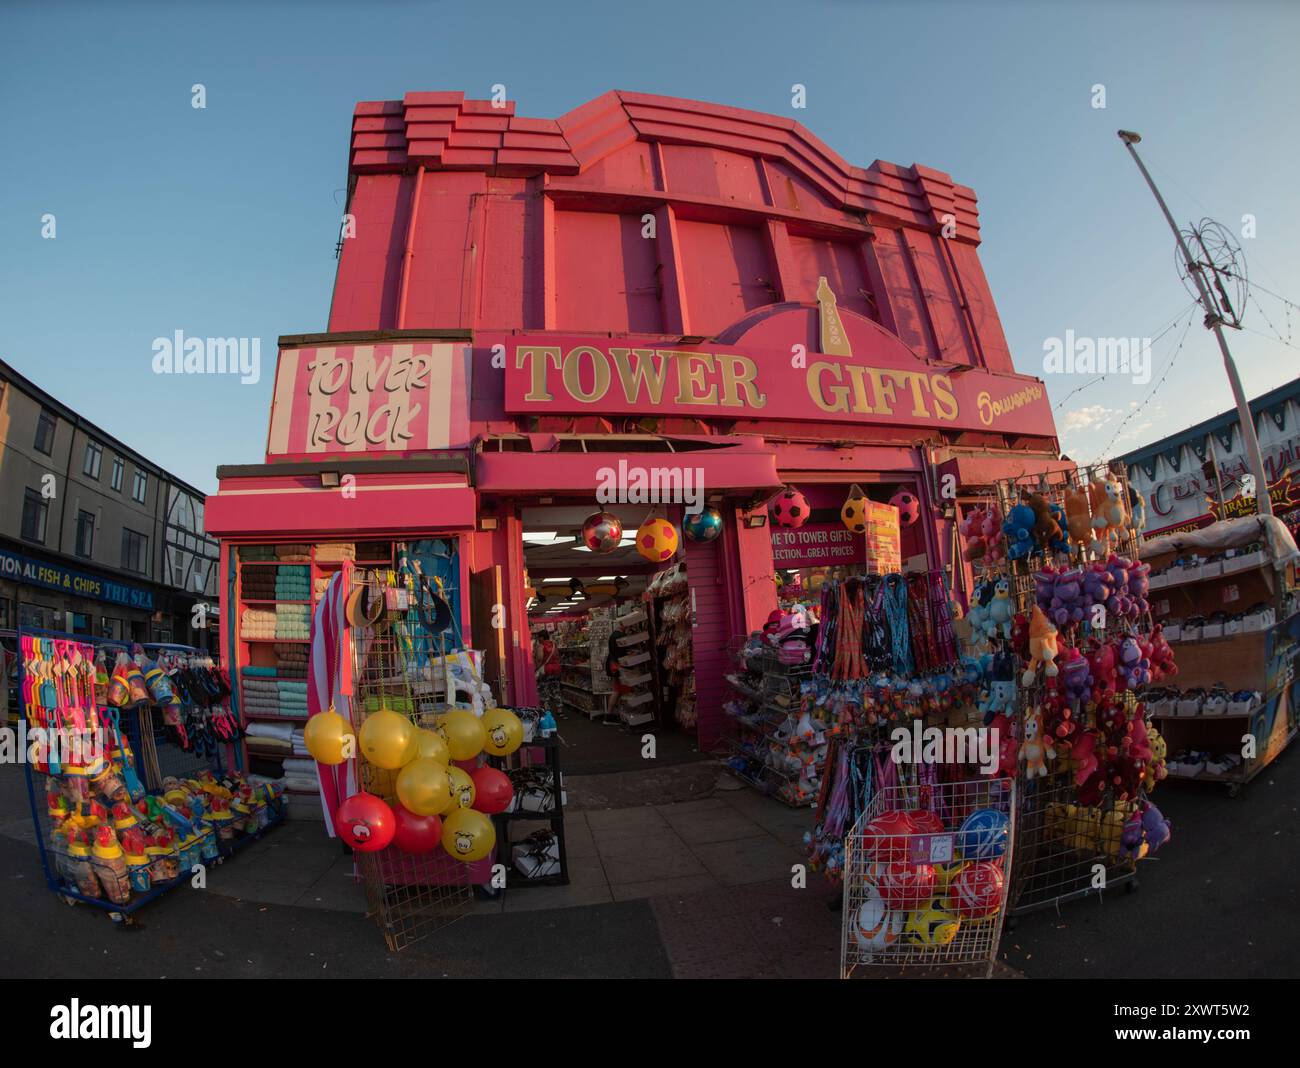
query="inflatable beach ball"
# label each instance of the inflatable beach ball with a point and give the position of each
(705, 526)
(602, 532)
(909, 508)
(789, 508)
(656, 540)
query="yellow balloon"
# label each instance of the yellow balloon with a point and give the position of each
(432, 747)
(505, 733)
(384, 737)
(463, 732)
(462, 789)
(468, 835)
(423, 788)
(329, 737)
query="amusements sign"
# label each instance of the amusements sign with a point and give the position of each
(398, 397)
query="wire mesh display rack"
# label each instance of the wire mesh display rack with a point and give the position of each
(155, 756)
(410, 896)
(928, 891)
(1064, 850)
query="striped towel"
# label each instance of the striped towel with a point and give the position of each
(330, 682)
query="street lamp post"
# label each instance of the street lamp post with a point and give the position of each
(1214, 321)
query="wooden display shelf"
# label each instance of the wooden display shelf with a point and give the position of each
(1239, 662)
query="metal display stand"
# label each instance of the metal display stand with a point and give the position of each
(554, 817)
(1063, 850)
(141, 725)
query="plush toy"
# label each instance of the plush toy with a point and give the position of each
(1137, 746)
(1137, 510)
(1155, 827)
(1161, 655)
(1020, 635)
(1042, 647)
(1157, 769)
(1066, 606)
(971, 528)
(995, 550)
(1058, 718)
(1046, 530)
(1018, 527)
(1103, 664)
(1075, 680)
(1060, 543)
(1132, 840)
(1078, 519)
(1120, 603)
(1035, 749)
(1139, 586)
(981, 625)
(1134, 669)
(1083, 754)
(999, 695)
(1097, 588)
(1001, 609)
(1106, 499)
(1008, 752)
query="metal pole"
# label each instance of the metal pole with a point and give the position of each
(1263, 504)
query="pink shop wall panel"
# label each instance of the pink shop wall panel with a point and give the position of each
(590, 249)
(440, 291)
(365, 293)
(726, 273)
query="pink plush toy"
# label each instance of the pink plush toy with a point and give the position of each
(1161, 655)
(1083, 751)
(1139, 586)
(1103, 663)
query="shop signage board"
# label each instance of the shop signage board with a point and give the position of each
(883, 539)
(402, 396)
(18, 568)
(551, 374)
(816, 545)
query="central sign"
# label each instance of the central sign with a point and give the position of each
(548, 375)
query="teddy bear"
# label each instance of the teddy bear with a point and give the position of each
(994, 542)
(1060, 543)
(971, 529)
(1018, 528)
(1046, 530)
(1083, 754)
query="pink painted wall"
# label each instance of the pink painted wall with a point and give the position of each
(536, 224)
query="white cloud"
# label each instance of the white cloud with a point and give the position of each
(1086, 418)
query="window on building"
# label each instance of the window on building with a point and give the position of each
(79, 622)
(35, 512)
(139, 486)
(46, 423)
(110, 628)
(135, 552)
(35, 617)
(119, 468)
(86, 534)
(94, 457)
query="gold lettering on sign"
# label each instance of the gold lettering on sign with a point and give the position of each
(830, 331)
(692, 386)
(572, 374)
(537, 360)
(738, 375)
(648, 370)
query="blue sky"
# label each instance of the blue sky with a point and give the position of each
(221, 222)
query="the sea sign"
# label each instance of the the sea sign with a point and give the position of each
(816, 545)
(77, 583)
(549, 374)
(405, 396)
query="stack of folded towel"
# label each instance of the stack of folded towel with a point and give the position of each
(292, 621)
(300, 774)
(292, 694)
(274, 741)
(291, 660)
(299, 743)
(292, 583)
(334, 552)
(256, 552)
(260, 695)
(258, 623)
(293, 552)
(257, 582)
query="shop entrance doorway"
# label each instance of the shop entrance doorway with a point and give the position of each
(611, 642)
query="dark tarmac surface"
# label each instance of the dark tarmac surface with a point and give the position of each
(1219, 901)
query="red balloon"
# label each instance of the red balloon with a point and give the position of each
(493, 790)
(365, 822)
(416, 834)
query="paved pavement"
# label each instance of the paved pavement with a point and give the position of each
(696, 886)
